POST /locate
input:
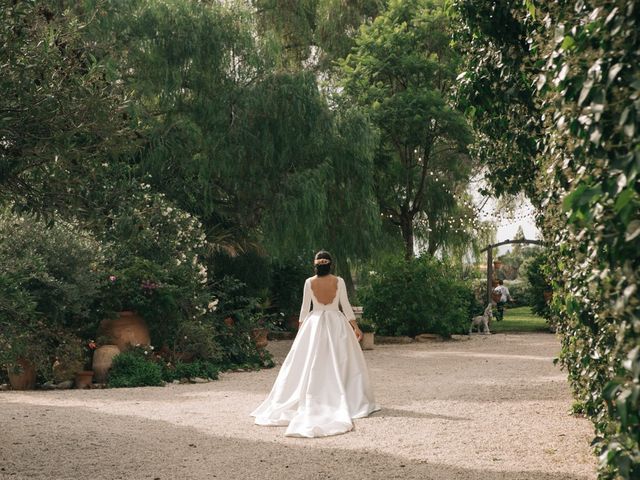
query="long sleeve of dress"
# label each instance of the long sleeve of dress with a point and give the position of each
(344, 301)
(306, 301)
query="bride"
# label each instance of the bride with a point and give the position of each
(323, 382)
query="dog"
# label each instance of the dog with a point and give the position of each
(483, 320)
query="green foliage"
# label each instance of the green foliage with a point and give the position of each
(133, 369)
(573, 68)
(420, 296)
(538, 285)
(366, 326)
(50, 286)
(57, 267)
(198, 339)
(154, 253)
(61, 104)
(324, 27)
(197, 369)
(399, 73)
(229, 137)
(514, 260)
(288, 276)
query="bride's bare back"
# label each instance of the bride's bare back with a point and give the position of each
(325, 288)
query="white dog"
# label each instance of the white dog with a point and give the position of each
(483, 320)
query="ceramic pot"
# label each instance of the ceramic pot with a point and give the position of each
(129, 329)
(292, 323)
(259, 336)
(84, 379)
(367, 341)
(102, 361)
(25, 377)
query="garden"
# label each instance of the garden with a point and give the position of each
(168, 170)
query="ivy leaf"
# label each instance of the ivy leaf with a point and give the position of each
(613, 72)
(584, 93)
(623, 199)
(531, 8)
(571, 199)
(568, 42)
(633, 230)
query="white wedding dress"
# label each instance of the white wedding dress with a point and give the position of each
(323, 383)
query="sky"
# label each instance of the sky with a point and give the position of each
(522, 214)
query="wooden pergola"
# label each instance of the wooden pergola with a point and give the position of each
(489, 249)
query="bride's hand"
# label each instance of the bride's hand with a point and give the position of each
(358, 332)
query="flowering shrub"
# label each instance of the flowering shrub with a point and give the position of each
(154, 251)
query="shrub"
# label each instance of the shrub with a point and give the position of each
(198, 339)
(154, 251)
(418, 296)
(132, 369)
(55, 267)
(538, 285)
(287, 281)
(201, 369)
(49, 282)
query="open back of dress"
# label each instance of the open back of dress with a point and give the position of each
(323, 382)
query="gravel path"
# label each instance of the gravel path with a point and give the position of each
(493, 407)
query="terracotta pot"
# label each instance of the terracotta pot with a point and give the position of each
(292, 323)
(102, 361)
(259, 336)
(547, 296)
(84, 379)
(128, 329)
(25, 379)
(229, 322)
(367, 341)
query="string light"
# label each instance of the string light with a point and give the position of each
(478, 213)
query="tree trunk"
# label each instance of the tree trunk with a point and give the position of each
(406, 225)
(344, 269)
(433, 248)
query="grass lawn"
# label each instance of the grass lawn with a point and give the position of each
(520, 319)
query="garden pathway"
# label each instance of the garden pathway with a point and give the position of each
(493, 407)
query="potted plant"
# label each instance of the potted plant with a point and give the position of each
(22, 374)
(21, 371)
(367, 341)
(260, 332)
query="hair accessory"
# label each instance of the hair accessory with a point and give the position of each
(321, 261)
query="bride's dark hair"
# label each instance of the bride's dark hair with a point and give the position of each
(324, 267)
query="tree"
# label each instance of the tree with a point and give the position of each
(61, 109)
(252, 150)
(313, 33)
(401, 72)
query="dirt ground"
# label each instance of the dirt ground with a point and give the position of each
(493, 407)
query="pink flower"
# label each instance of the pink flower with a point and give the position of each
(112, 278)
